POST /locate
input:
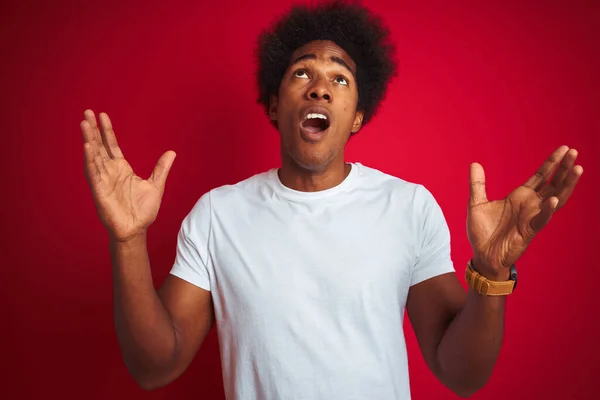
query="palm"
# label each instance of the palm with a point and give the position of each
(127, 200)
(500, 231)
(126, 203)
(502, 227)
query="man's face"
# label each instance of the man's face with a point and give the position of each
(315, 110)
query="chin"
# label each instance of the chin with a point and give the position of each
(315, 162)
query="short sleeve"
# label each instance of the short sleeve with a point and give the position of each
(433, 242)
(192, 261)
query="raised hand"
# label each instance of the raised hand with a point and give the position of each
(500, 231)
(126, 203)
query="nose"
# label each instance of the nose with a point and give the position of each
(319, 91)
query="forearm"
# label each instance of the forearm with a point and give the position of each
(143, 326)
(471, 344)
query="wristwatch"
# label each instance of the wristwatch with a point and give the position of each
(487, 287)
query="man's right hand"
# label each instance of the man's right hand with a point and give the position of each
(126, 203)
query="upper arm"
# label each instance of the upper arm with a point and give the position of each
(435, 296)
(431, 306)
(186, 292)
(191, 310)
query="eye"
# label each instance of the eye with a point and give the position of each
(301, 74)
(341, 80)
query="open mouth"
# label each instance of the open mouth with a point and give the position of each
(315, 122)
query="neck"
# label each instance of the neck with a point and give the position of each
(298, 178)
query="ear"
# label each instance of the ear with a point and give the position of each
(358, 118)
(273, 108)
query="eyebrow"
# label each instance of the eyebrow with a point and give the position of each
(332, 58)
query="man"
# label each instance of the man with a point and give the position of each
(307, 269)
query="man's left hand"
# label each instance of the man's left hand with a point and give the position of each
(499, 231)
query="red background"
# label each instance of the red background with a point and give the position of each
(501, 83)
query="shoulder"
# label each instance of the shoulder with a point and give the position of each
(232, 196)
(416, 194)
(244, 190)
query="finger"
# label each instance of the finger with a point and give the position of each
(543, 217)
(93, 154)
(88, 135)
(477, 183)
(544, 173)
(92, 173)
(108, 136)
(162, 168)
(569, 186)
(558, 180)
(565, 166)
(90, 117)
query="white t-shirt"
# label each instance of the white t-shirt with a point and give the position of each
(309, 288)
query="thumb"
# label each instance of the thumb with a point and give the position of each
(162, 168)
(477, 183)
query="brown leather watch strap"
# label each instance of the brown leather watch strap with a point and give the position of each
(485, 286)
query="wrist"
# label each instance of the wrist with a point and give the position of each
(489, 271)
(131, 240)
(491, 287)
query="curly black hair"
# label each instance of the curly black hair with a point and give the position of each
(346, 23)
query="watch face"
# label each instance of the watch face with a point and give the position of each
(513, 275)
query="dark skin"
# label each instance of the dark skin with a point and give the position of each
(158, 332)
(459, 333)
(321, 74)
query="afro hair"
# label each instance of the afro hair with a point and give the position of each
(350, 26)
